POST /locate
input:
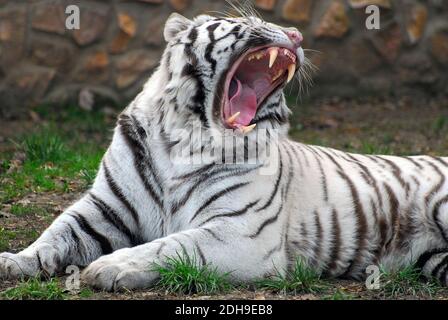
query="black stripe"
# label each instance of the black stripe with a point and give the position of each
(439, 266)
(196, 172)
(271, 116)
(322, 174)
(232, 214)
(276, 186)
(104, 243)
(440, 160)
(297, 157)
(414, 162)
(318, 239)
(361, 222)
(267, 222)
(75, 239)
(443, 274)
(208, 178)
(216, 196)
(394, 211)
(201, 254)
(184, 250)
(119, 194)
(300, 148)
(435, 215)
(290, 171)
(163, 244)
(369, 178)
(438, 186)
(234, 32)
(336, 243)
(273, 250)
(424, 258)
(40, 266)
(140, 159)
(114, 219)
(199, 96)
(213, 234)
(209, 49)
(396, 171)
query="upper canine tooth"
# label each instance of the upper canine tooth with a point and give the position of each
(291, 71)
(273, 53)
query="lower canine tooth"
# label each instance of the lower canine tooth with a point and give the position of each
(232, 119)
(247, 129)
(291, 71)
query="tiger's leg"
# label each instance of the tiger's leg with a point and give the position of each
(221, 246)
(84, 232)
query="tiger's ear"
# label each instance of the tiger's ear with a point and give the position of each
(175, 24)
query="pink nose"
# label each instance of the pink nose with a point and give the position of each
(295, 36)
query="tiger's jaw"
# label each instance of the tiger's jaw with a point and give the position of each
(251, 79)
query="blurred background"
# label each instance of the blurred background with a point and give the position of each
(119, 43)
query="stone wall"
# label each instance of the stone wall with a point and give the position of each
(120, 42)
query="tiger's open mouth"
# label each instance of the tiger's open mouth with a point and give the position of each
(251, 79)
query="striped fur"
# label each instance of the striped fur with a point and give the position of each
(340, 212)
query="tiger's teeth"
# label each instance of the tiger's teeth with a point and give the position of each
(232, 119)
(255, 55)
(273, 53)
(291, 72)
(247, 129)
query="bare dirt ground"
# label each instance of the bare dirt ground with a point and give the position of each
(374, 126)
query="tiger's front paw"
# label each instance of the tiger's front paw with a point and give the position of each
(12, 266)
(41, 260)
(119, 270)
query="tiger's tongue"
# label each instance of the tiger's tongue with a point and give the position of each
(244, 100)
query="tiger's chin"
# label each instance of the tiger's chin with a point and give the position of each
(252, 78)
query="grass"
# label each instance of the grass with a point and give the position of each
(5, 237)
(39, 176)
(182, 274)
(46, 146)
(20, 210)
(407, 281)
(439, 124)
(57, 158)
(36, 289)
(301, 279)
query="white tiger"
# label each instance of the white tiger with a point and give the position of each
(340, 212)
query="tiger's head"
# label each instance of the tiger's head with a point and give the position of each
(229, 72)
